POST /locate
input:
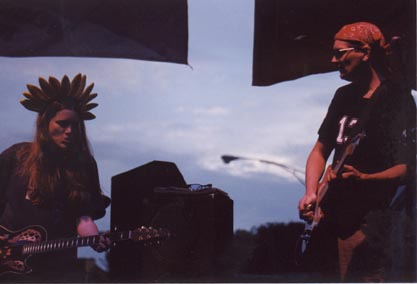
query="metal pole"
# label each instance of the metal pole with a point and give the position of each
(228, 158)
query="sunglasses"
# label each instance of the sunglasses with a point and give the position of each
(339, 53)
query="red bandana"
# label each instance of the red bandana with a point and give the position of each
(364, 32)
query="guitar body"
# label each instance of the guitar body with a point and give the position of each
(322, 188)
(17, 246)
(12, 260)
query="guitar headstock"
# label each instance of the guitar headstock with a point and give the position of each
(150, 235)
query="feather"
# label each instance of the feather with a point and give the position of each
(80, 89)
(47, 89)
(30, 105)
(29, 96)
(86, 92)
(56, 86)
(36, 92)
(35, 101)
(89, 98)
(75, 84)
(87, 116)
(65, 85)
(88, 107)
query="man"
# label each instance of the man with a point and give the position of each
(361, 193)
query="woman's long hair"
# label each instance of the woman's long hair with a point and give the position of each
(47, 167)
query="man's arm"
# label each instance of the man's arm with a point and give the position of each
(316, 164)
(396, 172)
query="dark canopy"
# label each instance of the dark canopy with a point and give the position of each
(293, 38)
(154, 30)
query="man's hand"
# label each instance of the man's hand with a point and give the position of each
(351, 172)
(306, 206)
(348, 172)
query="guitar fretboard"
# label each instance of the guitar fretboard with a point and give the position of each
(52, 245)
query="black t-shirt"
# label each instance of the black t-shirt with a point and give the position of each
(389, 140)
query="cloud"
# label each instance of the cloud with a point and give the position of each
(192, 116)
(277, 123)
(209, 111)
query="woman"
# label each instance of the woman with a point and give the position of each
(53, 181)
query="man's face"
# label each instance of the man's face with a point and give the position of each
(348, 59)
(63, 128)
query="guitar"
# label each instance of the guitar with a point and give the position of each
(17, 246)
(310, 225)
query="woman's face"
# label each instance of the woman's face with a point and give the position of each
(63, 127)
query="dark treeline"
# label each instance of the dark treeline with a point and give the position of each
(274, 250)
(263, 254)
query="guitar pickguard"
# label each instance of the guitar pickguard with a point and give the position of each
(28, 235)
(11, 257)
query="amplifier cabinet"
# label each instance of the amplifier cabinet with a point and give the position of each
(200, 223)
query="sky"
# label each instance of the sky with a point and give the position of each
(191, 115)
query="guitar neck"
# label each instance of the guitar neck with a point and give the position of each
(53, 245)
(349, 149)
(324, 185)
(338, 166)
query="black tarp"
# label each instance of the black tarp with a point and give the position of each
(293, 38)
(155, 30)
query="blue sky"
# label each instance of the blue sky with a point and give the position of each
(192, 115)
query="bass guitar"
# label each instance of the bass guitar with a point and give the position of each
(310, 225)
(17, 246)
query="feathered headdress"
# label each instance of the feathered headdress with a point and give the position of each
(69, 93)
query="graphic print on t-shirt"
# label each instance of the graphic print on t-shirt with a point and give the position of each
(346, 124)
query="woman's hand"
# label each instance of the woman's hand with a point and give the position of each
(86, 227)
(103, 245)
